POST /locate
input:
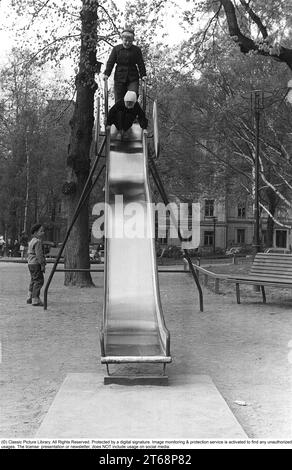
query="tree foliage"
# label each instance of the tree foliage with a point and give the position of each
(207, 125)
(203, 87)
(257, 26)
(32, 148)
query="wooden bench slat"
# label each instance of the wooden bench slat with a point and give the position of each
(265, 283)
(273, 256)
(259, 278)
(274, 263)
(260, 282)
(270, 273)
(273, 275)
(268, 269)
(282, 259)
(271, 266)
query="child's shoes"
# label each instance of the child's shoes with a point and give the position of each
(37, 302)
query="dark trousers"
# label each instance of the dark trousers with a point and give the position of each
(122, 88)
(37, 280)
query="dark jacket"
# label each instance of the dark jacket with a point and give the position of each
(123, 117)
(127, 61)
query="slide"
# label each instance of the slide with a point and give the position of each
(133, 329)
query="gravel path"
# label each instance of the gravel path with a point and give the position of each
(244, 348)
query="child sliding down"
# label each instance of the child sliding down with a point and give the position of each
(124, 113)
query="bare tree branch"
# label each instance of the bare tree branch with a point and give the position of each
(110, 18)
(285, 181)
(255, 18)
(247, 44)
(272, 186)
(273, 218)
(37, 12)
(265, 209)
(62, 38)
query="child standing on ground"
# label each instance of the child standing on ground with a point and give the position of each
(36, 264)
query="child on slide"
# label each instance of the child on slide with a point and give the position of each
(129, 65)
(124, 113)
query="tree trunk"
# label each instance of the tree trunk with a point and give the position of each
(27, 169)
(78, 161)
(272, 205)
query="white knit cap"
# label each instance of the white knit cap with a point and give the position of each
(130, 96)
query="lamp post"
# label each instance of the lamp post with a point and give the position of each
(257, 100)
(27, 152)
(214, 233)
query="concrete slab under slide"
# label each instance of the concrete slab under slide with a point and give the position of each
(190, 407)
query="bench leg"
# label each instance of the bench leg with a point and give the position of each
(237, 293)
(216, 286)
(263, 294)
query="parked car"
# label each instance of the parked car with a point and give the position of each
(277, 250)
(244, 249)
(234, 250)
(96, 253)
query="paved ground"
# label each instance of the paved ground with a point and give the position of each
(244, 348)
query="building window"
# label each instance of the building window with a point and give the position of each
(281, 238)
(241, 212)
(209, 207)
(57, 234)
(208, 238)
(240, 236)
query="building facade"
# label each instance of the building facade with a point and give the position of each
(225, 222)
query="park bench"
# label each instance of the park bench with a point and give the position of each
(207, 274)
(268, 269)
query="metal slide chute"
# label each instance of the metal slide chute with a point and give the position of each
(133, 329)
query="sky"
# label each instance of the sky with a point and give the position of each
(174, 34)
(172, 28)
(171, 18)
